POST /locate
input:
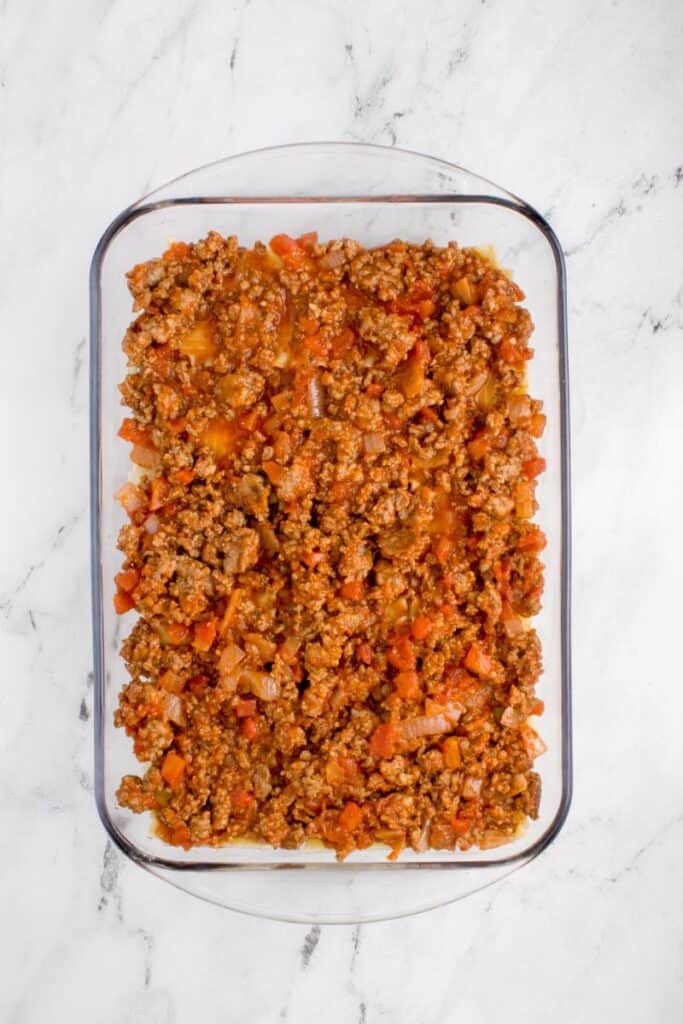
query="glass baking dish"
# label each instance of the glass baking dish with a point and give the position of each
(373, 194)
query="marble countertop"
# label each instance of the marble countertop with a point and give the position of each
(576, 108)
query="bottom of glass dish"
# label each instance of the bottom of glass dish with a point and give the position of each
(303, 896)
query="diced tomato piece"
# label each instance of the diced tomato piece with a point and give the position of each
(180, 836)
(287, 247)
(408, 685)
(197, 684)
(538, 707)
(173, 769)
(478, 661)
(351, 817)
(401, 654)
(374, 389)
(383, 740)
(342, 343)
(123, 602)
(245, 708)
(204, 634)
(352, 590)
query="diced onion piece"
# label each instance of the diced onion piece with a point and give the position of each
(230, 658)
(471, 788)
(511, 718)
(131, 498)
(147, 458)
(173, 709)
(422, 842)
(315, 398)
(332, 259)
(262, 685)
(477, 383)
(491, 839)
(533, 744)
(519, 409)
(373, 443)
(152, 524)
(425, 725)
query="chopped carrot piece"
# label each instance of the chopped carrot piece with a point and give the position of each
(383, 740)
(524, 499)
(422, 626)
(275, 472)
(538, 707)
(450, 749)
(158, 492)
(352, 590)
(177, 633)
(173, 769)
(537, 424)
(127, 580)
(401, 654)
(533, 468)
(479, 447)
(123, 602)
(532, 540)
(478, 661)
(182, 476)
(245, 708)
(204, 634)
(231, 610)
(133, 432)
(176, 251)
(408, 685)
(249, 728)
(171, 681)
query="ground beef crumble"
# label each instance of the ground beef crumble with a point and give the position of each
(330, 549)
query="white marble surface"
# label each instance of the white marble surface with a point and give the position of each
(577, 107)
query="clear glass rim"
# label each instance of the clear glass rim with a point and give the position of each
(147, 204)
